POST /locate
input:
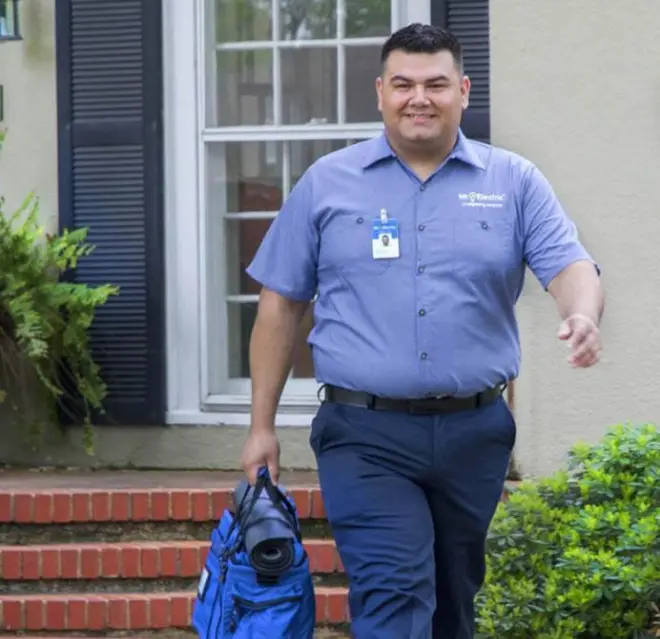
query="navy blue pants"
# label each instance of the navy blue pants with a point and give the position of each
(409, 500)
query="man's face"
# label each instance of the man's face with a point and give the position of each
(422, 96)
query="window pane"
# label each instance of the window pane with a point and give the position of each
(244, 176)
(7, 19)
(304, 153)
(243, 20)
(367, 18)
(308, 19)
(241, 319)
(242, 238)
(362, 69)
(244, 88)
(309, 91)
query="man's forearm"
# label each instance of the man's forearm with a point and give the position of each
(578, 291)
(271, 347)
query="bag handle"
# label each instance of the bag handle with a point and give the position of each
(282, 504)
(258, 487)
(276, 496)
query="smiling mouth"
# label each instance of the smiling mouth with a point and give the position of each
(419, 117)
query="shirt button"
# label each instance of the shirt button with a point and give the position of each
(420, 269)
(424, 355)
(422, 312)
(421, 227)
(360, 220)
(422, 187)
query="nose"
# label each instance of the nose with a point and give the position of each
(419, 96)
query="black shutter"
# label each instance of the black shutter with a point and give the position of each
(109, 67)
(469, 21)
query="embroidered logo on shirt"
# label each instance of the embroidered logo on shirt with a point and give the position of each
(483, 200)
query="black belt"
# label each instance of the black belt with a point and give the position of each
(422, 406)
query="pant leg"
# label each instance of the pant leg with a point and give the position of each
(472, 452)
(380, 518)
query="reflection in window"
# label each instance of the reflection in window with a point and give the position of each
(309, 85)
(308, 19)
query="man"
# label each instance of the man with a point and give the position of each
(415, 340)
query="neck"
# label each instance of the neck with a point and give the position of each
(434, 153)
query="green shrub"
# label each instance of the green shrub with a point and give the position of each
(577, 555)
(45, 321)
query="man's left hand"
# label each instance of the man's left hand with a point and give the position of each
(583, 337)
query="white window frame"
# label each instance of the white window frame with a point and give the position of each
(186, 139)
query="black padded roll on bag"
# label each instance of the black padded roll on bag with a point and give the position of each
(268, 526)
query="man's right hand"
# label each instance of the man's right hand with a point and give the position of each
(261, 449)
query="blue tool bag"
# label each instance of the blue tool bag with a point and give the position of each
(256, 583)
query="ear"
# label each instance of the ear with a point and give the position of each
(379, 92)
(465, 92)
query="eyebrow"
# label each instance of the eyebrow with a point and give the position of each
(403, 78)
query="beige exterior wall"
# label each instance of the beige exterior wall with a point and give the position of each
(577, 91)
(28, 161)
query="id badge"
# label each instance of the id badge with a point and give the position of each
(385, 239)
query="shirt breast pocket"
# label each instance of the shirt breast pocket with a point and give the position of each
(346, 248)
(484, 247)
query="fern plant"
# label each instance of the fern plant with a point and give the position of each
(45, 322)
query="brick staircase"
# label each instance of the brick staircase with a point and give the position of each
(119, 553)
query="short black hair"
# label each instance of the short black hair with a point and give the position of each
(423, 38)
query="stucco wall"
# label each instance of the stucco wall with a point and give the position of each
(577, 91)
(28, 161)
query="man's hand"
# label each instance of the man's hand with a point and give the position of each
(261, 449)
(583, 337)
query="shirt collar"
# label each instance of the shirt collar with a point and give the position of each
(465, 152)
(379, 149)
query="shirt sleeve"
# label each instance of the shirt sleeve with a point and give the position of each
(550, 237)
(287, 258)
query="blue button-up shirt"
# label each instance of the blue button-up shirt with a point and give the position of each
(439, 319)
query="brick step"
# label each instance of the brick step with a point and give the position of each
(65, 506)
(141, 560)
(152, 611)
(137, 497)
(321, 632)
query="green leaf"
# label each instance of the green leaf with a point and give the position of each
(577, 554)
(45, 321)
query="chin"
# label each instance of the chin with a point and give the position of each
(422, 136)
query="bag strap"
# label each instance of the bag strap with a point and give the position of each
(258, 487)
(281, 502)
(277, 498)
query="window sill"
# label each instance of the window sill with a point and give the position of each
(291, 404)
(237, 419)
(234, 410)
